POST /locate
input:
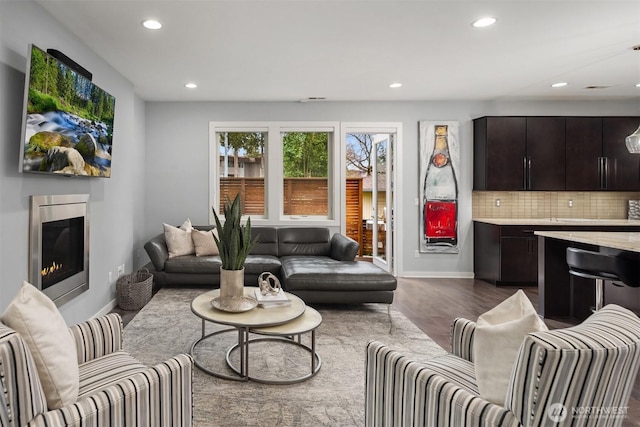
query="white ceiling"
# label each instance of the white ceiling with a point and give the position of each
(287, 50)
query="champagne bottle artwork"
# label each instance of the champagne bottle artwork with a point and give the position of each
(440, 196)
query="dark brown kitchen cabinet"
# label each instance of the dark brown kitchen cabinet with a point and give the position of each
(499, 149)
(505, 255)
(554, 154)
(545, 154)
(623, 168)
(518, 153)
(584, 159)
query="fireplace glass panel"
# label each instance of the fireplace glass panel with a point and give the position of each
(62, 250)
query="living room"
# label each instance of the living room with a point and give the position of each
(161, 170)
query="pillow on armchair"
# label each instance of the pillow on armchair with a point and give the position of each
(498, 335)
(37, 319)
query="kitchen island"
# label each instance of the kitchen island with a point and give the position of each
(563, 295)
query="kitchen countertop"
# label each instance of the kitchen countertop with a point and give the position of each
(626, 241)
(559, 221)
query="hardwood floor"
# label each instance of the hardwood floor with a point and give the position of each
(432, 304)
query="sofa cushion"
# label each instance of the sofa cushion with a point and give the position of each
(267, 241)
(36, 318)
(193, 264)
(323, 273)
(304, 241)
(257, 264)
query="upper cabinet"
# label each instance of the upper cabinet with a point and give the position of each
(518, 153)
(622, 168)
(499, 149)
(554, 154)
(584, 160)
(545, 154)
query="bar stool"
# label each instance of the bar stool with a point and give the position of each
(601, 267)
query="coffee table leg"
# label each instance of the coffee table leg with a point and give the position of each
(203, 333)
(313, 351)
(243, 344)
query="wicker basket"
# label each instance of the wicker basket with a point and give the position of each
(134, 290)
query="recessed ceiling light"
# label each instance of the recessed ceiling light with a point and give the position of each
(559, 84)
(638, 85)
(151, 24)
(395, 85)
(191, 85)
(484, 22)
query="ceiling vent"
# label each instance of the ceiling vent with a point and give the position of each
(313, 98)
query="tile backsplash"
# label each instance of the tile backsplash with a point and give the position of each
(551, 204)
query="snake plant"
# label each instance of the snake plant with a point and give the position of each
(233, 240)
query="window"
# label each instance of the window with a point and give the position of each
(241, 170)
(305, 164)
(285, 172)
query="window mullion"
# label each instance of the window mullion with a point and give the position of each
(274, 184)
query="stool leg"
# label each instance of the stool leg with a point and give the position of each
(599, 294)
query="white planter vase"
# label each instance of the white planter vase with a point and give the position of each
(231, 283)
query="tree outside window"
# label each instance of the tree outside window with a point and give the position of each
(306, 173)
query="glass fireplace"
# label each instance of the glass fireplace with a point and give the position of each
(59, 245)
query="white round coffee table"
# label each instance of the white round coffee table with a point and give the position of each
(242, 323)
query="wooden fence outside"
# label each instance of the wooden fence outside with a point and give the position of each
(302, 196)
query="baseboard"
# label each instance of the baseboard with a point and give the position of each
(438, 275)
(107, 308)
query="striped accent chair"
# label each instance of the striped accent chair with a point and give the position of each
(558, 375)
(115, 389)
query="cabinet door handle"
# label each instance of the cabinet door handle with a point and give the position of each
(524, 172)
(528, 173)
(601, 172)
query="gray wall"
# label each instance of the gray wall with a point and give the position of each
(177, 155)
(116, 206)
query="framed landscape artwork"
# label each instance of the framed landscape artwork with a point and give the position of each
(439, 171)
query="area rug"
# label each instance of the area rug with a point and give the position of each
(334, 397)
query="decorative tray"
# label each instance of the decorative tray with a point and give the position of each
(234, 304)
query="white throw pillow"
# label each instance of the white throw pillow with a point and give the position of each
(497, 339)
(179, 240)
(35, 317)
(204, 242)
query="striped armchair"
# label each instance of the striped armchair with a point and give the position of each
(559, 376)
(115, 389)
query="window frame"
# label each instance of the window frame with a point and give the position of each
(274, 174)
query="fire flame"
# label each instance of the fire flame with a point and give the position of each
(48, 270)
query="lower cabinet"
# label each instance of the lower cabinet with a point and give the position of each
(518, 260)
(507, 255)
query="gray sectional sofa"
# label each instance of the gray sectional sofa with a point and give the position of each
(310, 262)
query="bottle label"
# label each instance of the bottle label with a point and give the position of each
(440, 220)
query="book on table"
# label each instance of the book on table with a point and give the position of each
(272, 300)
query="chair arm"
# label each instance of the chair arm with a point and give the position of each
(403, 392)
(462, 333)
(161, 395)
(343, 248)
(97, 337)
